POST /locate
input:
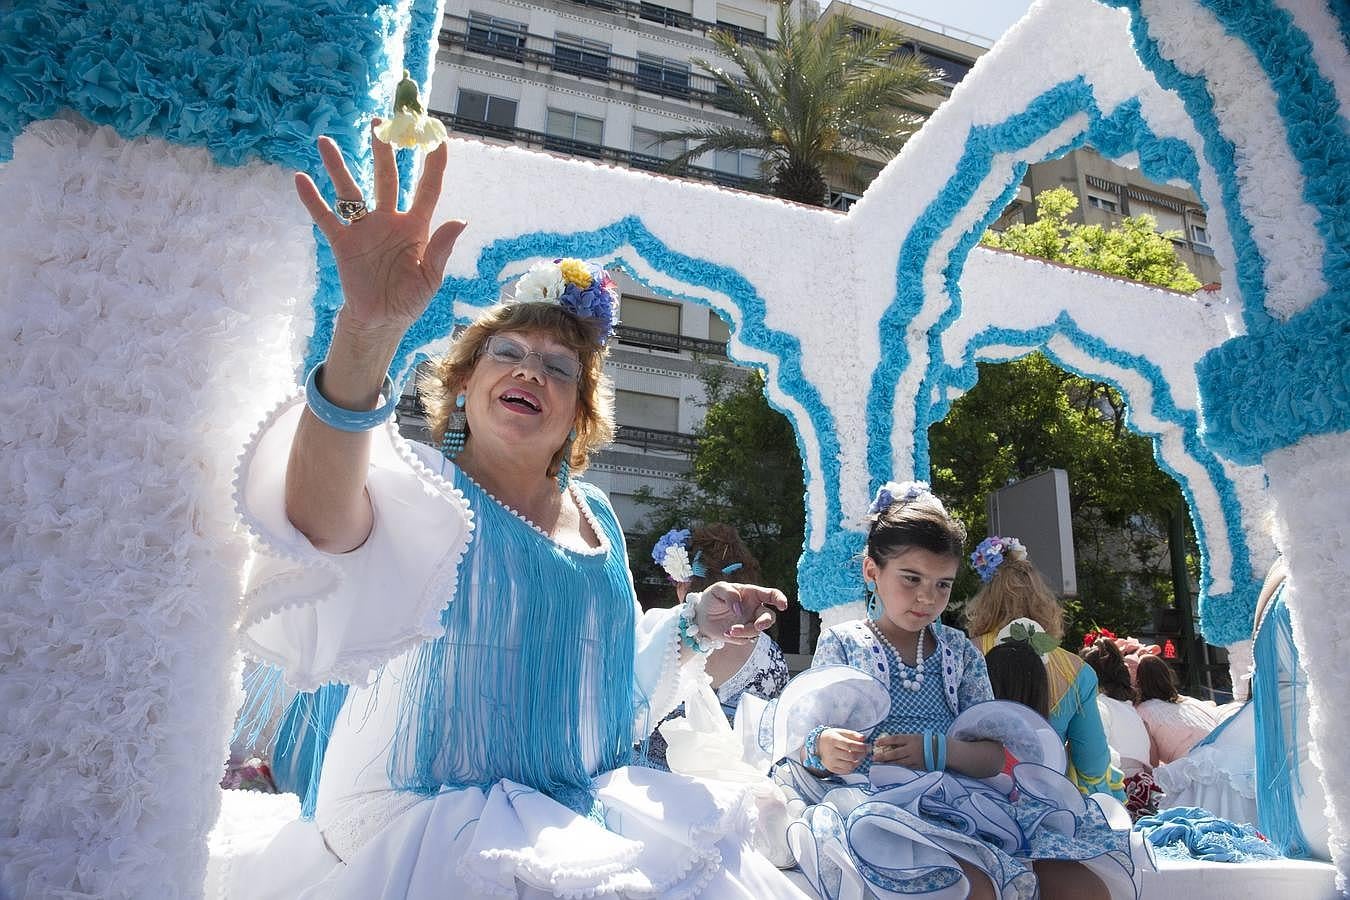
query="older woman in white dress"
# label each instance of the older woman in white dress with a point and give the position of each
(475, 600)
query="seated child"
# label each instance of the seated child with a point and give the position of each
(894, 805)
(1016, 673)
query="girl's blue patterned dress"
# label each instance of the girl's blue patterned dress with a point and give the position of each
(886, 830)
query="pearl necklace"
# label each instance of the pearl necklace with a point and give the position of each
(911, 679)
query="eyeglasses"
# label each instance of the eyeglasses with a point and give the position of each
(558, 366)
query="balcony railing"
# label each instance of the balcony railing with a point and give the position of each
(655, 439)
(516, 45)
(539, 139)
(664, 340)
(674, 18)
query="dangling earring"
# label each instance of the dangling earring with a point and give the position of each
(873, 610)
(565, 467)
(456, 430)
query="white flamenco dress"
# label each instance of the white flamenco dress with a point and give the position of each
(497, 681)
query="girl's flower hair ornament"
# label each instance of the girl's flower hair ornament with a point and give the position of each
(991, 553)
(902, 492)
(582, 288)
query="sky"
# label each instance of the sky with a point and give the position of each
(984, 17)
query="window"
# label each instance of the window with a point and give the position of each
(1199, 235)
(740, 163)
(950, 69)
(638, 410)
(841, 200)
(662, 76)
(718, 329)
(1103, 203)
(668, 13)
(650, 315)
(571, 132)
(579, 56)
(496, 37)
(742, 25)
(648, 143)
(497, 114)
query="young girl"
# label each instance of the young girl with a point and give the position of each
(897, 805)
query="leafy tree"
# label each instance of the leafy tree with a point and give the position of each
(746, 473)
(825, 92)
(1025, 416)
(1134, 249)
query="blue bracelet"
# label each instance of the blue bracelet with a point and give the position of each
(941, 751)
(345, 419)
(928, 750)
(813, 760)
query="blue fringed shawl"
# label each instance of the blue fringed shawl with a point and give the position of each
(1277, 780)
(533, 679)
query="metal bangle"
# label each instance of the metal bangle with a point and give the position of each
(346, 419)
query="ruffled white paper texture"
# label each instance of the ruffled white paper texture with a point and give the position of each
(150, 303)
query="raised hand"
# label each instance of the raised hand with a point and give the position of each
(737, 613)
(391, 264)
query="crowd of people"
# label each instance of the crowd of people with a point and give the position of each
(509, 738)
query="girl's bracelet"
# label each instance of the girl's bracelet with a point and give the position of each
(813, 760)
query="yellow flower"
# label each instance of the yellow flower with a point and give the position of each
(401, 130)
(575, 271)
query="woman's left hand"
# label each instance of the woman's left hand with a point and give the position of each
(737, 613)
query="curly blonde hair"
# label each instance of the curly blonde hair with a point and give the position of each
(595, 391)
(1017, 590)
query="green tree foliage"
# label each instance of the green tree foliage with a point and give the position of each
(1134, 249)
(746, 472)
(825, 92)
(1026, 416)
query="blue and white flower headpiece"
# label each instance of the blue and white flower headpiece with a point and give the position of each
(902, 492)
(582, 288)
(672, 554)
(991, 553)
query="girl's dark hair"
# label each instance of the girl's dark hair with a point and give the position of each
(921, 523)
(1156, 680)
(721, 546)
(1113, 676)
(1017, 673)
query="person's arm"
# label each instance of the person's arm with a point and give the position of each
(390, 265)
(1087, 737)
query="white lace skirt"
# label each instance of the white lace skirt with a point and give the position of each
(663, 836)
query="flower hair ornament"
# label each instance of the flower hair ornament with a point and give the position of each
(672, 554)
(902, 492)
(1030, 632)
(582, 288)
(991, 553)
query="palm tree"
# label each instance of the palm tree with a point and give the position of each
(824, 93)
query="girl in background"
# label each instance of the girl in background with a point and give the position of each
(1014, 589)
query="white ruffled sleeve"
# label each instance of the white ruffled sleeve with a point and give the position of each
(324, 617)
(662, 682)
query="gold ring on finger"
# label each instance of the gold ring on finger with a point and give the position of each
(352, 210)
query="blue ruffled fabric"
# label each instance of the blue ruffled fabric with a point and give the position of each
(1189, 832)
(254, 79)
(1281, 382)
